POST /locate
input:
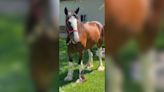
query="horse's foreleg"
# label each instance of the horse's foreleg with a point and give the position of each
(90, 61)
(69, 76)
(147, 59)
(148, 71)
(101, 66)
(114, 75)
(81, 70)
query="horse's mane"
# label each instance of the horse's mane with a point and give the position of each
(80, 26)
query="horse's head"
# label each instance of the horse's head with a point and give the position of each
(72, 24)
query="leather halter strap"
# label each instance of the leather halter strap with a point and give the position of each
(70, 31)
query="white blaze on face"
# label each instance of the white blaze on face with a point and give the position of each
(73, 23)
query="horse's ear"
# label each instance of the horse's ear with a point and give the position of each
(77, 10)
(66, 11)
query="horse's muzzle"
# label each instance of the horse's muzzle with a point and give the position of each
(73, 36)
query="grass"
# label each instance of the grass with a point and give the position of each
(14, 75)
(95, 79)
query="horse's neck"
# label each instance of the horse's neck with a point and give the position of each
(80, 27)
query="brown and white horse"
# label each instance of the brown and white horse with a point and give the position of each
(80, 37)
(127, 19)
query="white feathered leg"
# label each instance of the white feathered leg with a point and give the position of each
(69, 76)
(101, 67)
(90, 61)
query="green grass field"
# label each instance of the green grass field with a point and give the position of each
(95, 79)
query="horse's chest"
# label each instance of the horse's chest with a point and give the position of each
(75, 47)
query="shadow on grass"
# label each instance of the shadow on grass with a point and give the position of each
(76, 70)
(75, 76)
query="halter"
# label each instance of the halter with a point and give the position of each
(70, 31)
(69, 35)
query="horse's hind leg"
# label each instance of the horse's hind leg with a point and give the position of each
(101, 66)
(69, 76)
(90, 61)
(99, 45)
(81, 69)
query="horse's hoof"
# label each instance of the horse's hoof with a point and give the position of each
(80, 80)
(101, 68)
(89, 66)
(68, 78)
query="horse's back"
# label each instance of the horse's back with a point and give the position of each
(131, 13)
(94, 29)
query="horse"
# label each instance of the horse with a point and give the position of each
(131, 19)
(80, 37)
(42, 37)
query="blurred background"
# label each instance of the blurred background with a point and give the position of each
(14, 73)
(129, 58)
(14, 52)
(132, 69)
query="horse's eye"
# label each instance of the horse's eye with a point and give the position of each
(75, 16)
